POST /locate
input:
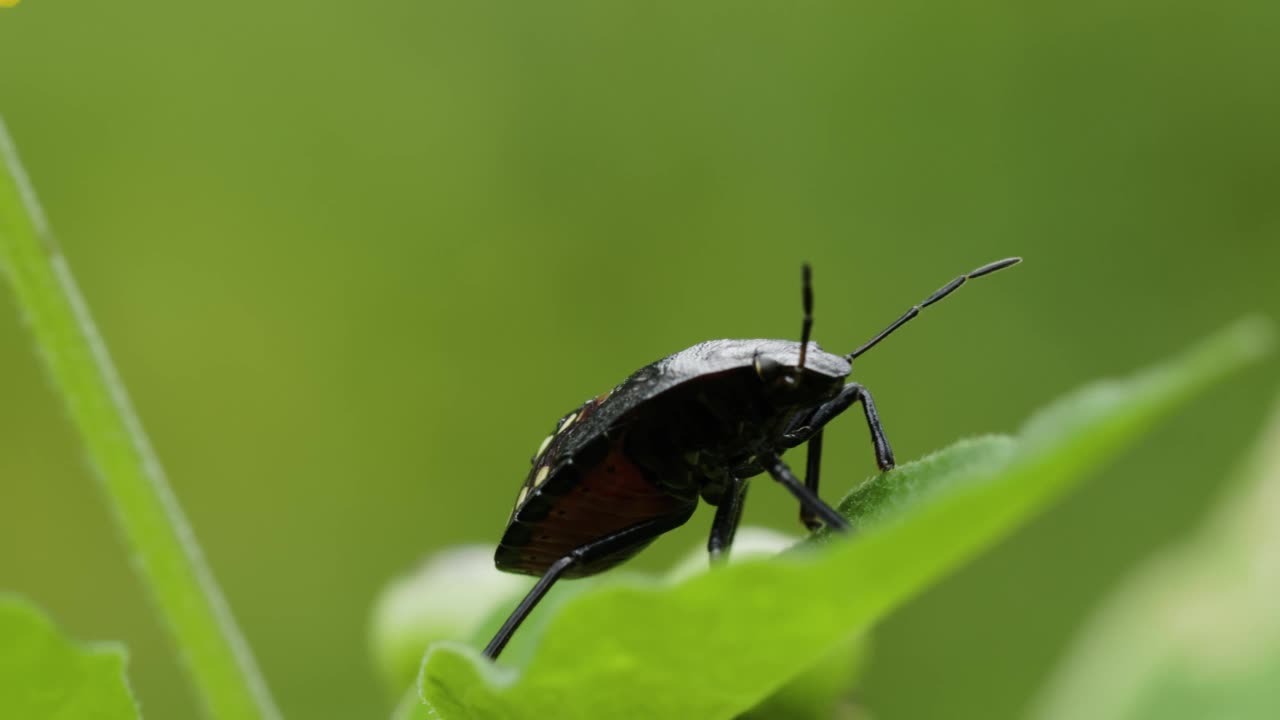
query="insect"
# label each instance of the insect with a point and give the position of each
(631, 463)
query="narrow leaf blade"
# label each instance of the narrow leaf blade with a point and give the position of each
(221, 666)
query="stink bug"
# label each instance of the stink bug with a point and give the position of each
(630, 464)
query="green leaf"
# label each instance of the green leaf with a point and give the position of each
(813, 695)
(1195, 633)
(45, 676)
(716, 645)
(163, 545)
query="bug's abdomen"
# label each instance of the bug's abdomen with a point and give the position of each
(581, 504)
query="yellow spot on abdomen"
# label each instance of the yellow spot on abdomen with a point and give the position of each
(543, 447)
(543, 472)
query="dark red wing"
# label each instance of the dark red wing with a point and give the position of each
(581, 503)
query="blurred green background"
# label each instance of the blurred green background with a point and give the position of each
(353, 259)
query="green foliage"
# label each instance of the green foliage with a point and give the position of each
(1194, 634)
(716, 645)
(45, 676)
(164, 546)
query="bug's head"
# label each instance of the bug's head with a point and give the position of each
(787, 381)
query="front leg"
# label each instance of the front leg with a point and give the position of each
(812, 426)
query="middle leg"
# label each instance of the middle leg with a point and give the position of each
(809, 500)
(728, 516)
(813, 465)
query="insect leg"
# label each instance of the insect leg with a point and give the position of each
(808, 499)
(813, 463)
(526, 605)
(638, 533)
(811, 423)
(884, 453)
(853, 392)
(728, 515)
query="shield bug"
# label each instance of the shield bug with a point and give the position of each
(631, 463)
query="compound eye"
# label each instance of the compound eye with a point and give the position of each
(775, 374)
(768, 369)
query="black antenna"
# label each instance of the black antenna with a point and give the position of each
(806, 295)
(942, 292)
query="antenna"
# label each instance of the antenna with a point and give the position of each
(942, 292)
(806, 297)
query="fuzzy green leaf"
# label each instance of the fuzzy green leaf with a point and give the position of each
(45, 676)
(716, 645)
(1195, 633)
